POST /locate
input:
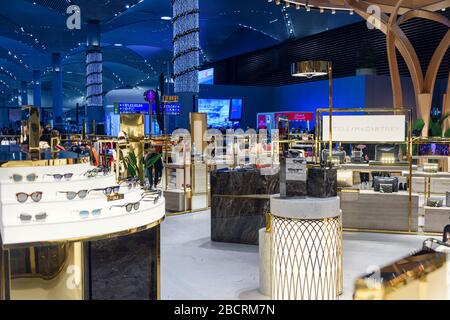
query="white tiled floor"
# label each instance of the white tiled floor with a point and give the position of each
(194, 267)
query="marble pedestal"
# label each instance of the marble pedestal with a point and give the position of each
(239, 202)
(322, 182)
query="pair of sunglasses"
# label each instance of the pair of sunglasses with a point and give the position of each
(70, 195)
(19, 178)
(128, 206)
(107, 191)
(131, 183)
(85, 213)
(37, 217)
(23, 197)
(94, 172)
(151, 196)
(59, 177)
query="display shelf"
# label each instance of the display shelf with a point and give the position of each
(370, 210)
(63, 222)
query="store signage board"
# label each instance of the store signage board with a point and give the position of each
(173, 109)
(295, 116)
(366, 128)
(122, 107)
(170, 99)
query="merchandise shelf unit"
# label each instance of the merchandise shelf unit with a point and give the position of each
(85, 248)
(395, 212)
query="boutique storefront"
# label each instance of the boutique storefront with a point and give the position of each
(274, 173)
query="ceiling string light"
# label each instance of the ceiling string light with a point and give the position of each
(186, 44)
(309, 7)
(288, 22)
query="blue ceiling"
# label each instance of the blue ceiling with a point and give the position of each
(136, 42)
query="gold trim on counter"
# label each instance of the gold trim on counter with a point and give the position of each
(81, 239)
(44, 163)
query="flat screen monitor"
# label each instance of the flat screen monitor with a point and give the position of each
(217, 110)
(206, 76)
(125, 107)
(236, 110)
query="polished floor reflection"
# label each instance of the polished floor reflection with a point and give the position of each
(194, 267)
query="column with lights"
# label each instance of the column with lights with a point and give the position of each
(24, 93)
(37, 88)
(57, 89)
(186, 60)
(94, 75)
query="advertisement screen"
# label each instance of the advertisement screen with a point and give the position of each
(236, 110)
(206, 76)
(123, 107)
(218, 111)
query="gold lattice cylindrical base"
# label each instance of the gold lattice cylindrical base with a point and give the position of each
(306, 258)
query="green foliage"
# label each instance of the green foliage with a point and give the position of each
(447, 133)
(132, 166)
(435, 126)
(418, 125)
(151, 162)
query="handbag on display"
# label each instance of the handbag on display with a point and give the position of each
(435, 203)
(338, 156)
(387, 153)
(393, 181)
(357, 156)
(378, 174)
(386, 188)
(364, 177)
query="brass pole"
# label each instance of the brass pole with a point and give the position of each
(166, 158)
(330, 103)
(410, 178)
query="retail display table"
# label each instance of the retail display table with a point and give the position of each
(90, 247)
(239, 202)
(306, 248)
(370, 210)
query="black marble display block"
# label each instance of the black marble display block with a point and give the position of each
(322, 182)
(124, 268)
(239, 202)
(237, 220)
(296, 188)
(243, 182)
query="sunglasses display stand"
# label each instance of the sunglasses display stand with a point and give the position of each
(84, 248)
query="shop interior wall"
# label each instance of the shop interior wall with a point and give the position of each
(348, 92)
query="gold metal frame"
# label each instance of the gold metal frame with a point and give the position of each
(329, 287)
(409, 140)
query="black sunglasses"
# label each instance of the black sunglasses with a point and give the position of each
(128, 206)
(58, 177)
(70, 195)
(107, 191)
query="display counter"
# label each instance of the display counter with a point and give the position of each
(239, 202)
(354, 168)
(102, 244)
(370, 210)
